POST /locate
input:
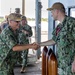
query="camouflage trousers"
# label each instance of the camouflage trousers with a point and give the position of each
(65, 72)
(6, 73)
(6, 69)
(24, 58)
(19, 59)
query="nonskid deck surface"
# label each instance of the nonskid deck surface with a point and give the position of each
(32, 69)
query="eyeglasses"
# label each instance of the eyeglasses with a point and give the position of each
(17, 21)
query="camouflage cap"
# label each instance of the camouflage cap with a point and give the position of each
(23, 17)
(57, 5)
(15, 17)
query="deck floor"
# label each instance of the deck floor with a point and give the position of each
(32, 69)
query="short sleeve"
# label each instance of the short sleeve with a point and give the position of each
(10, 41)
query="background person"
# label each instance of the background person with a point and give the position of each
(4, 23)
(25, 31)
(0, 29)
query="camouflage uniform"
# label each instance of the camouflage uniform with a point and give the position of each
(8, 57)
(23, 39)
(64, 35)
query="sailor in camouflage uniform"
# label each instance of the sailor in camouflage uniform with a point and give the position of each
(64, 38)
(25, 31)
(9, 46)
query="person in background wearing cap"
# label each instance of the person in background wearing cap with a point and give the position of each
(25, 31)
(4, 23)
(9, 45)
(64, 38)
(0, 29)
(17, 10)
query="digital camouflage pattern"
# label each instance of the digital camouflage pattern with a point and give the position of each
(64, 35)
(8, 57)
(24, 39)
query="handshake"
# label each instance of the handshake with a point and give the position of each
(35, 46)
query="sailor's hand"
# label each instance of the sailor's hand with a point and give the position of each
(73, 66)
(24, 31)
(35, 46)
